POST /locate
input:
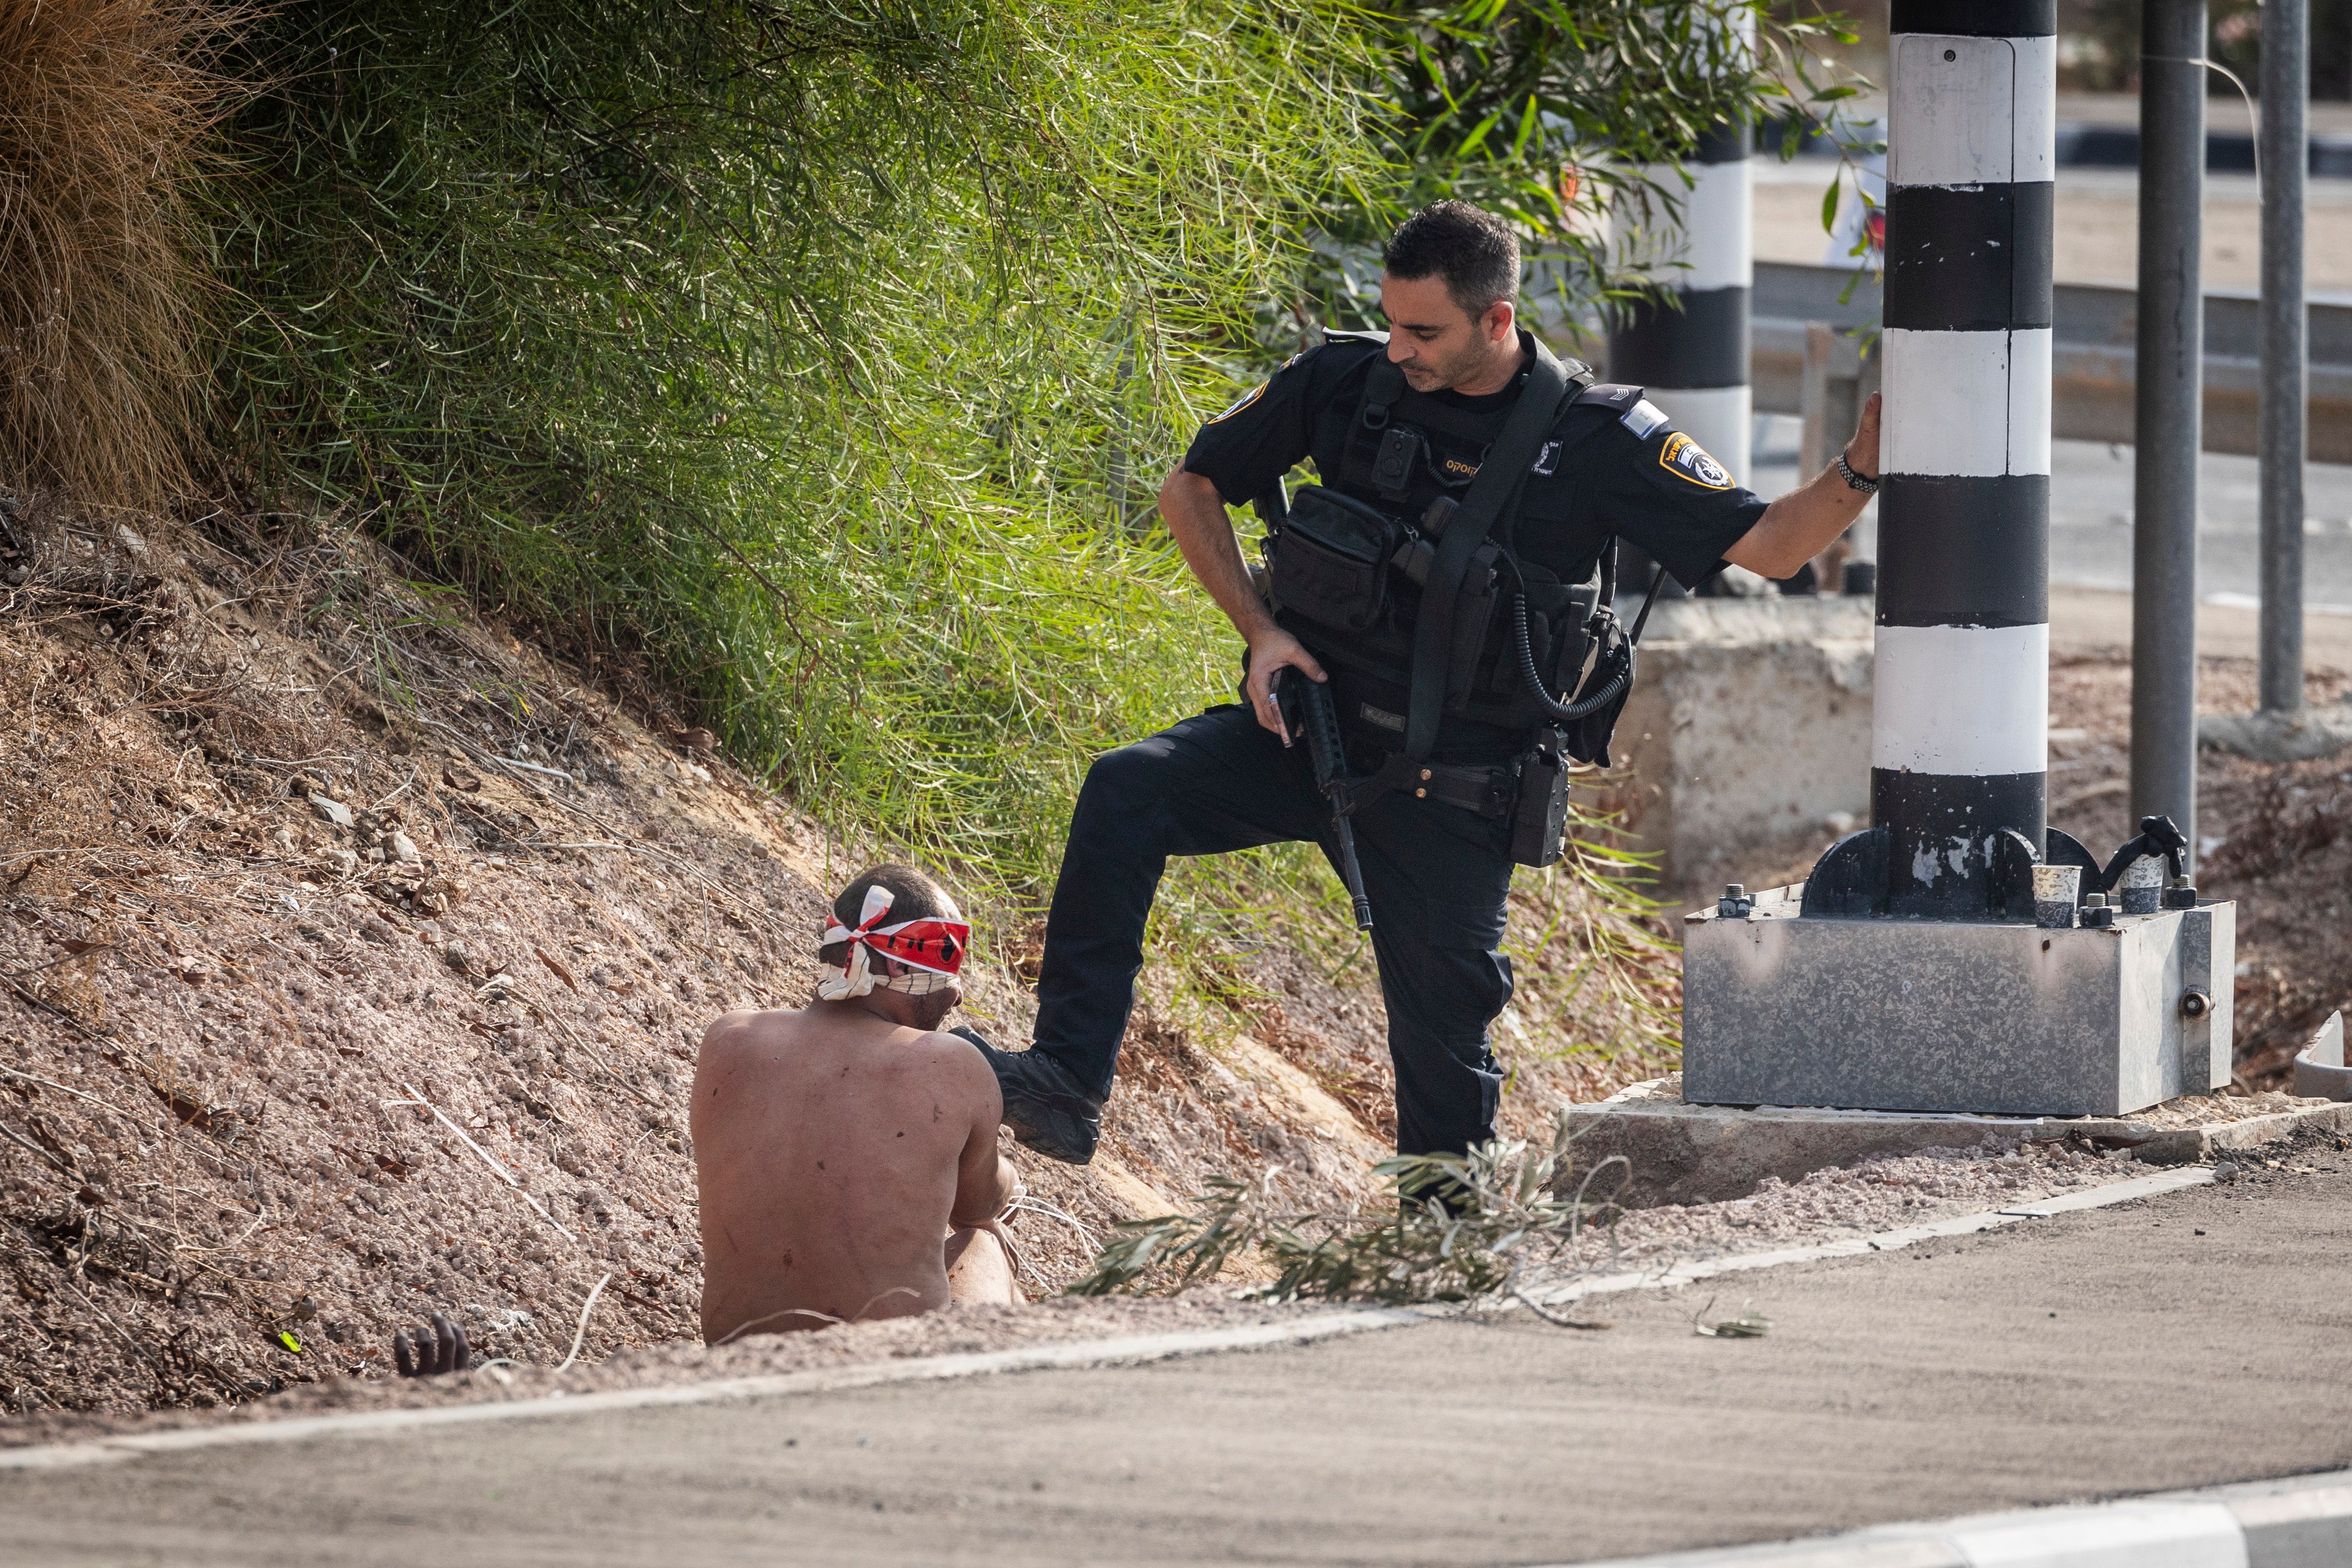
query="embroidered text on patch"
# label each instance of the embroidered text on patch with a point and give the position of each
(1687, 458)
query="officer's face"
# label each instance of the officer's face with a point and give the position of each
(1433, 340)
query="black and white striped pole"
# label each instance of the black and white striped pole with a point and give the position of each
(1691, 354)
(1960, 954)
(1959, 730)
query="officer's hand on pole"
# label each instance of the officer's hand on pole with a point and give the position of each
(1861, 452)
(1269, 651)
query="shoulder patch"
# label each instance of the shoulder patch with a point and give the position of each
(1333, 335)
(1645, 419)
(1686, 459)
(1609, 394)
(1243, 401)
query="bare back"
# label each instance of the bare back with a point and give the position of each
(834, 1150)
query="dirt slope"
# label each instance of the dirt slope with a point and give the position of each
(355, 953)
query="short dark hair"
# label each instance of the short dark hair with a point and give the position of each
(1474, 251)
(913, 896)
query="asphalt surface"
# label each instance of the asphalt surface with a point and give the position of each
(2196, 1338)
(2091, 515)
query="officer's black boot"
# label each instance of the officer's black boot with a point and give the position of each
(1043, 1103)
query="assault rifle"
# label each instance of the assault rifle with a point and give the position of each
(1306, 709)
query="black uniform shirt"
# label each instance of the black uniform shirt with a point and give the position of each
(1619, 468)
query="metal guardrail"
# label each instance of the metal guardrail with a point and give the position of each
(2092, 356)
(2083, 145)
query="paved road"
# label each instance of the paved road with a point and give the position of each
(2091, 513)
(2198, 1338)
(2097, 230)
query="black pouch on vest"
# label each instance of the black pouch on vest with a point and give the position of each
(1540, 817)
(1331, 561)
(1587, 738)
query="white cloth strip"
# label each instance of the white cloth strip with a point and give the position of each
(1713, 244)
(1968, 403)
(1988, 116)
(1961, 701)
(1718, 418)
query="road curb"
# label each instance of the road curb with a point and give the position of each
(2303, 1521)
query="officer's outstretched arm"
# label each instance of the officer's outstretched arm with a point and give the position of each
(1800, 524)
(1196, 516)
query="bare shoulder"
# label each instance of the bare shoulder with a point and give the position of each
(747, 1029)
(956, 1063)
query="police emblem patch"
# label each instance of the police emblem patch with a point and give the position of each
(1243, 401)
(1688, 459)
(1546, 461)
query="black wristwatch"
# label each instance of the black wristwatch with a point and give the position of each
(1855, 481)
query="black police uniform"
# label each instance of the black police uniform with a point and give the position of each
(1436, 873)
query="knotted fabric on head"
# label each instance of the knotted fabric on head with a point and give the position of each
(930, 949)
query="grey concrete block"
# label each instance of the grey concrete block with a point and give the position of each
(1904, 1015)
(1682, 1153)
(1749, 724)
(2319, 1070)
(2300, 1522)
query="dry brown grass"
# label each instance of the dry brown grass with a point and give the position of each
(100, 274)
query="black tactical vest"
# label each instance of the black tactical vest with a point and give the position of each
(1348, 563)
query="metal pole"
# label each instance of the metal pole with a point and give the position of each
(2167, 429)
(2285, 111)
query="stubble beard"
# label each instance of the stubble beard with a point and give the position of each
(932, 1011)
(1427, 376)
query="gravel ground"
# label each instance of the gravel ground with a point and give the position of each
(2188, 1110)
(1880, 1195)
(354, 951)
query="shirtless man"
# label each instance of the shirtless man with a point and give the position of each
(846, 1153)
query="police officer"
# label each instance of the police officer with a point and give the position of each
(1398, 426)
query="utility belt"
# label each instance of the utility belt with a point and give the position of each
(1531, 792)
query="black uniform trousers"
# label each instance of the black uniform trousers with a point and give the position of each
(1436, 874)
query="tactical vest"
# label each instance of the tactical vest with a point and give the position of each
(1346, 565)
